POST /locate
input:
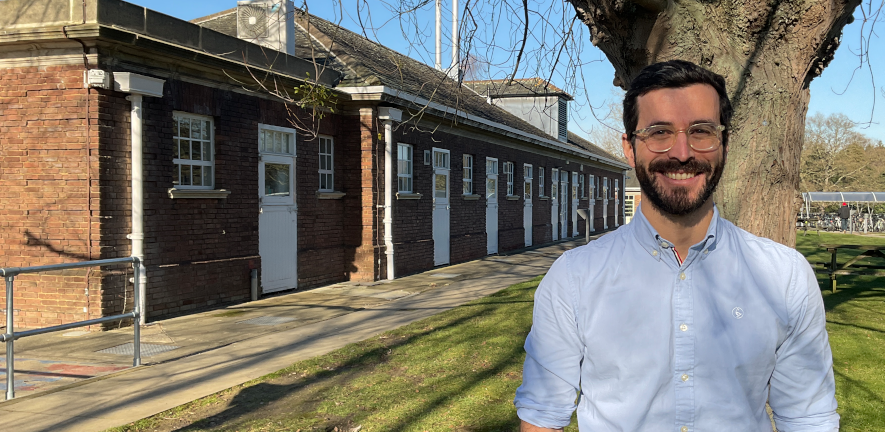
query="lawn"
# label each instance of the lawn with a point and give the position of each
(458, 370)
(856, 324)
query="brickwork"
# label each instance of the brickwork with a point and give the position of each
(45, 213)
(200, 251)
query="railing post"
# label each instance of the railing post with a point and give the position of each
(136, 323)
(10, 343)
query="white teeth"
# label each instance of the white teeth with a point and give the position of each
(680, 176)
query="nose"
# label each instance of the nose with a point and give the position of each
(681, 150)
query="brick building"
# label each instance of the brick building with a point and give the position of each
(128, 132)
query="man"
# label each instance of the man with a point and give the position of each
(844, 214)
(678, 321)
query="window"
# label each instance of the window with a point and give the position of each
(592, 185)
(598, 188)
(276, 176)
(468, 174)
(581, 181)
(508, 171)
(541, 181)
(527, 176)
(327, 175)
(616, 189)
(491, 178)
(605, 193)
(404, 168)
(440, 158)
(554, 183)
(193, 151)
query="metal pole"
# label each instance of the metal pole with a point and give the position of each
(10, 361)
(136, 323)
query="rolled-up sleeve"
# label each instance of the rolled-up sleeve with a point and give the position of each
(803, 389)
(552, 370)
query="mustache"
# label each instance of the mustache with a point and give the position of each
(691, 165)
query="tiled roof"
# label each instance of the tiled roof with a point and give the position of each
(516, 87)
(576, 140)
(367, 63)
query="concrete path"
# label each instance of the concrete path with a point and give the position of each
(219, 349)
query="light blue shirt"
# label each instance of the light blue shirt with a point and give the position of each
(652, 345)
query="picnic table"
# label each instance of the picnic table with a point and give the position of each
(852, 267)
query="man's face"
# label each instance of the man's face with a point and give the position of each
(679, 181)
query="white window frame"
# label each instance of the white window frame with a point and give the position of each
(402, 177)
(443, 162)
(540, 181)
(581, 181)
(209, 139)
(508, 173)
(617, 189)
(467, 174)
(284, 156)
(527, 176)
(591, 184)
(598, 187)
(330, 171)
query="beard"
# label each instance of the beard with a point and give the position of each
(678, 201)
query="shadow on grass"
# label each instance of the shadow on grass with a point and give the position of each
(304, 396)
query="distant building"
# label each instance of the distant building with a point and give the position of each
(235, 178)
(632, 195)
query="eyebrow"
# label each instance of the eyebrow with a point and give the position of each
(665, 123)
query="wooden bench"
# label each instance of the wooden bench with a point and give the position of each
(851, 267)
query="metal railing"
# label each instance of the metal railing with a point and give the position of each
(10, 336)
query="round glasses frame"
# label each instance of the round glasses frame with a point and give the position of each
(707, 143)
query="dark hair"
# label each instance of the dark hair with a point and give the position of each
(674, 74)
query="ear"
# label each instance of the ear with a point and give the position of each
(628, 150)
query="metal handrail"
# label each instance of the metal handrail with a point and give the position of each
(10, 336)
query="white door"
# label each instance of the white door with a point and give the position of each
(441, 207)
(605, 203)
(492, 205)
(277, 214)
(563, 204)
(617, 202)
(591, 184)
(527, 208)
(575, 204)
(554, 202)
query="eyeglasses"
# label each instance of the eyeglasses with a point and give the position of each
(702, 137)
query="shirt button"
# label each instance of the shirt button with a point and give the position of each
(664, 245)
(683, 327)
(706, 251)
(684, 377)
(654, 253)
(684, 429)
(682, 275)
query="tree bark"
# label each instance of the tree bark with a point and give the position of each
(768, 52)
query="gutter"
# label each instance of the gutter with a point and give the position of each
(388, 116)
(378, 90)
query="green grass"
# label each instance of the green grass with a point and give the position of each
(458, 370)
(856, 325)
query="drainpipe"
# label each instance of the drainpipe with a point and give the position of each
(138, 86)
(388, 116)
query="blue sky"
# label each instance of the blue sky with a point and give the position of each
(845, 87)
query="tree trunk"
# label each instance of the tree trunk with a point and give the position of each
(768, 53)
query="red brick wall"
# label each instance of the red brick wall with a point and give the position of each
(44, 170)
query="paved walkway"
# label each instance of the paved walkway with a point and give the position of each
(76, 381)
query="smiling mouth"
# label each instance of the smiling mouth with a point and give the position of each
(679, 175)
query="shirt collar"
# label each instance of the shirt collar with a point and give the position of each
(656, 245)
